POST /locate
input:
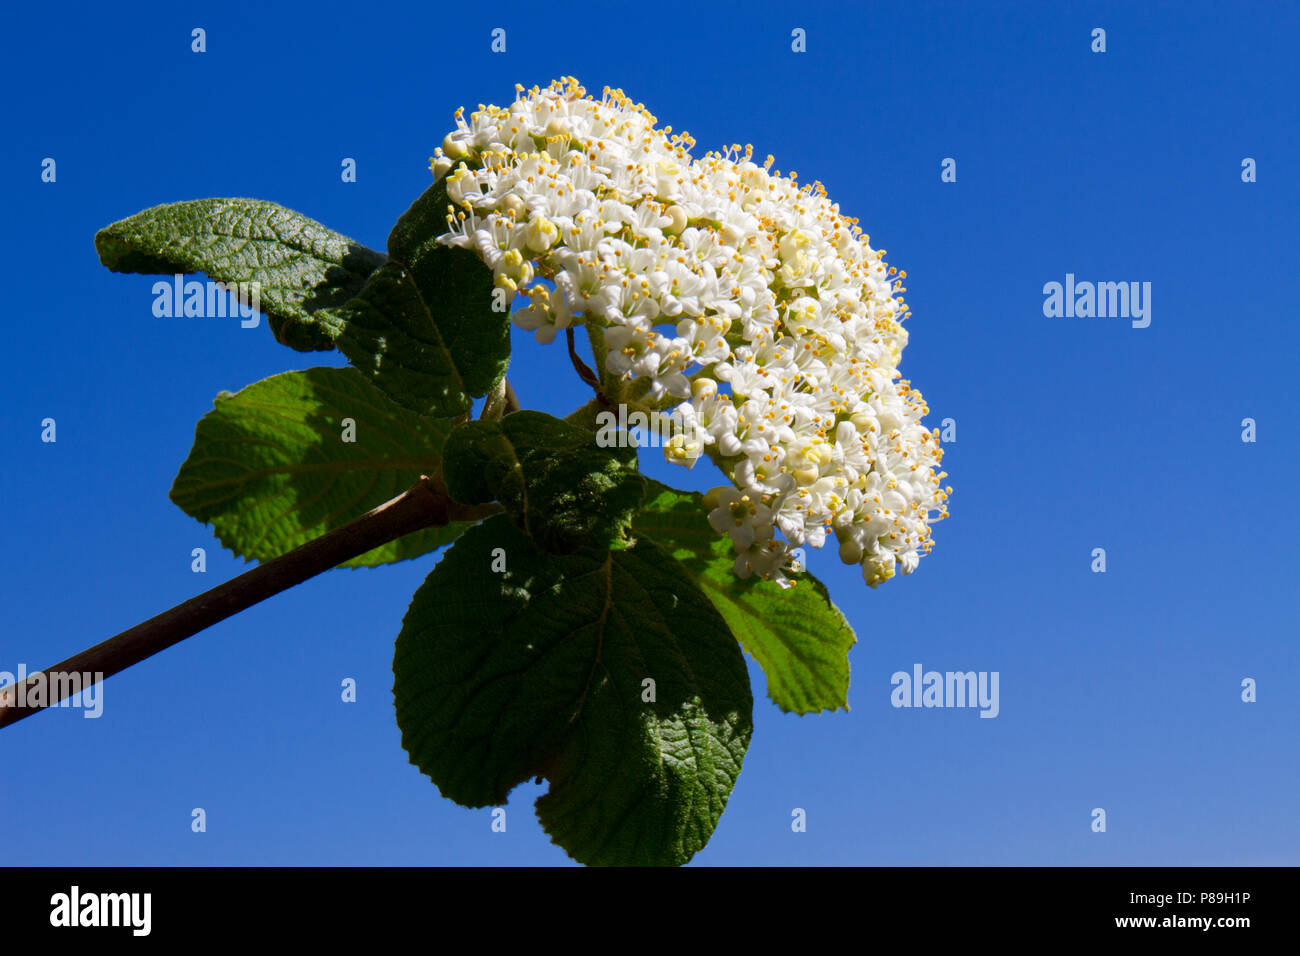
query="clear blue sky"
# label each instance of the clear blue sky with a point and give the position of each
(1118, 690)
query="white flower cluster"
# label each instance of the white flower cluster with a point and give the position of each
(726, 286)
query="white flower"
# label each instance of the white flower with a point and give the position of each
(748, 301)
(738, 515)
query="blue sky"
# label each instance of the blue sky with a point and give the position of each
(1119, 690)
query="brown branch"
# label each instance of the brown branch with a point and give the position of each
(584, 370)
(424, 505)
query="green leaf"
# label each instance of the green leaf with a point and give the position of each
(302, 266)
(538, 670)
(551, 477)
(423, 329)
(799, 638)
(270, 469)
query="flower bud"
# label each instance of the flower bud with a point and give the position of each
(704, 388)
(541, 234)
(677, 220)
(454, 149)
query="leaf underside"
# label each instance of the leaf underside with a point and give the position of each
(797, 635)
(270, 469)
